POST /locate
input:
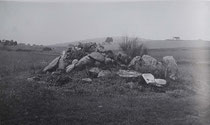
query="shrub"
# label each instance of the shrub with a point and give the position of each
(109, 40)
(132, 48)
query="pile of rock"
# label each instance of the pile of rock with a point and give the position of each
(81, 56)
(98, 62)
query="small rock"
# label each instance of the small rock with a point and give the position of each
(131, 85)
(100, 106)
(149, 78)
(74, 61)
(42, 82)
(30, 79)
(70, 67)
(87, 79)
(104, 73)
(93, 72)
(160, 82)
(34, 78)
(56, 73)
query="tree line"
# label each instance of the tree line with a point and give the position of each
(8, 42)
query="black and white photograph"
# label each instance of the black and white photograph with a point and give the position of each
(104, 62)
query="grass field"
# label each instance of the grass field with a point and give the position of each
(15, 62)
(105, 101)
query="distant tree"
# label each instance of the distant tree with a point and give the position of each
(108, 40)
(47, 49)
(7, 42)
(15, 43)
(176, 38)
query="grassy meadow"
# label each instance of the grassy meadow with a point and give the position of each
(12, 62)
(105, 101)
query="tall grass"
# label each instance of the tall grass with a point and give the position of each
(132, 47)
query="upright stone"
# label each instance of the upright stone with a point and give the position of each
(171, 67)
(53, 65)
(62, 64)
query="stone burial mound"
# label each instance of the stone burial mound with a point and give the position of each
(90, 63)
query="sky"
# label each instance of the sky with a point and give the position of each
(48, 22)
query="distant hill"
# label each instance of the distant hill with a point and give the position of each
(161, 44)
(151, 44)
(113, 46)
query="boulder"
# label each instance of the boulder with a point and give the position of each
(171, 67)
(93, 72)
(97, 56)
(53, 65)
(128, 74)
(159, 70)
(135, 63)
(151, 65)
(149, 61)
(104, 73)
(147, 64)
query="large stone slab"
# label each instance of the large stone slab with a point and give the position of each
(53, 65)
(97, 56)
(128, 74)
